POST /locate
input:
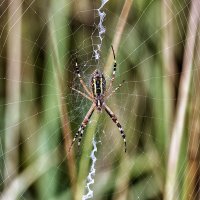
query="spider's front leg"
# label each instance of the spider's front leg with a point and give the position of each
(114, 70)
(114, 118)
(82, 127)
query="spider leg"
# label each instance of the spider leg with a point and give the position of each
(114, 70)
(82, 127)
(114, 118)
(117, 88)
(81, 80)
(83, 94)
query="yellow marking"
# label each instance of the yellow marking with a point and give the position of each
(101, 86)
(95, 87)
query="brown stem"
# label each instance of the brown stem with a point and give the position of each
(193, 167)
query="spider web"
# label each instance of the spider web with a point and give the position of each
(79, 28)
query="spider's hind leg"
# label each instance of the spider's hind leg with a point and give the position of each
(82, 127)
(114, 118)
(74, 139)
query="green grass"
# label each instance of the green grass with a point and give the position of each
(149, 46)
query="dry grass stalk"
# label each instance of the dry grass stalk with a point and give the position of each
(13, 86)
(118, 34)
(183, 94)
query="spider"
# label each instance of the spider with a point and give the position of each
(97, 96)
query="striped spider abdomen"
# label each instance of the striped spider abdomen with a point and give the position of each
(98, 85)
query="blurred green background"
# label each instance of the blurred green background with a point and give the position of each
(157, 52)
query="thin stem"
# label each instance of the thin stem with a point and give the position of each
(168, 68)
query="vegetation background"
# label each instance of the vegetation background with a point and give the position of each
(157, 48)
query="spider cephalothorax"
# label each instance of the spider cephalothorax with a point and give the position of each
(98, 85)
(97, 95)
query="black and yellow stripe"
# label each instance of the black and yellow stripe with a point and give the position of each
(97, 86)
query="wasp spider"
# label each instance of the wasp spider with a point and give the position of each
(97, 94)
